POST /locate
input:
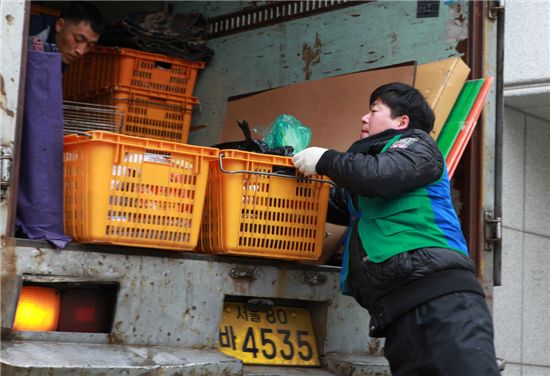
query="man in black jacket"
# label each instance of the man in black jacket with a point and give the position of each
(406, 259)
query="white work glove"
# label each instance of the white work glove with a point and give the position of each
(306, 160)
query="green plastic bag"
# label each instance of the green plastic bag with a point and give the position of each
(286, 130)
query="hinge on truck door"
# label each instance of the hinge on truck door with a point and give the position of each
(493, 230)
(6, 158)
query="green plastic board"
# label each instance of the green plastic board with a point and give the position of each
(458, 115)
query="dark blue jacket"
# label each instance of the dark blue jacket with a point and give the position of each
(390, 288)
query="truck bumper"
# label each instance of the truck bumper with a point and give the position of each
(38, 358)
(33, 358)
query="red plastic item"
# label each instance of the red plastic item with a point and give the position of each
(466, 133)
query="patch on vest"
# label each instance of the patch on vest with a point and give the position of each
(403, 143)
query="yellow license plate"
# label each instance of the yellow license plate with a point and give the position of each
(276, 336)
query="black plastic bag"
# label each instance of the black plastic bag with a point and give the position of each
(255, 146)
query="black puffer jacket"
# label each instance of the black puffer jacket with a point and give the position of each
(406, 280)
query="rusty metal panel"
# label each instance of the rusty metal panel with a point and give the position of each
(285, 371)
(11, 36)
(12, 32)
(269, 14)
(351, 39)
(357, 364)
(12, 39)
(10, 284)
(177, 301)
(489, 183)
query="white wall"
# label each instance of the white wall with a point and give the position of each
(527, 41)
(522, 304)
(527, 56)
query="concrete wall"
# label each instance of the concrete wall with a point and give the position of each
(522, 304)
(527, 56)
(527, 41)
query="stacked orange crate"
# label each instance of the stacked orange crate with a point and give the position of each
(154, 91)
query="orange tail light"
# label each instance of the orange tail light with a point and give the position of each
(38, 309)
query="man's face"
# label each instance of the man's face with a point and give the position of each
(379, 119)
(74, 39)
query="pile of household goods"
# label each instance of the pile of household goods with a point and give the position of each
(146, 187)
(332, 108)
(154, 92)
(144, 192)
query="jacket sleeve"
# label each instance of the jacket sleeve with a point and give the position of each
(337, 211)
(412, 163)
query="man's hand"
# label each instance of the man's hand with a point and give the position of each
(306, 160)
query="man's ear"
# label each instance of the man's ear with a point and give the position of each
(59, 23)
(403, 122)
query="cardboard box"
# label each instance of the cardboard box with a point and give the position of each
(441, 82)
(333, 243)
(331, 107)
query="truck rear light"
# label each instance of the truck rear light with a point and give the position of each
(85, 311)
(37, 309)
(66, 307)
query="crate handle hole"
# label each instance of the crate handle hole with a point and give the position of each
(163, 65)
(284, 170)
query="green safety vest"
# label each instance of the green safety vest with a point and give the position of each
(421, 218)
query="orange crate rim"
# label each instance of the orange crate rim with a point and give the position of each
(107, 66)
(134, 191)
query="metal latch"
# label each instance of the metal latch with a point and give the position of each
(6, 159)
(495, 9)
(493, 230)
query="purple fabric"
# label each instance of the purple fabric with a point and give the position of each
(40, 194)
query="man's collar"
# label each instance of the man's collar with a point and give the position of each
(51, 40)
(51, 34)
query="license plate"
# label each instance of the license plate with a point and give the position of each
(275, 336)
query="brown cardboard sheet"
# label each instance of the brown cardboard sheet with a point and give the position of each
(331, 107)
(441, 82)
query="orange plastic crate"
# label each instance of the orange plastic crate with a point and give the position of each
(134, 191)
(149, 113)
(253, 214)
(104, 67)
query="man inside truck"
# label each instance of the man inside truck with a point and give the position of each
(406, 259)
(72, 34)
(40, 190)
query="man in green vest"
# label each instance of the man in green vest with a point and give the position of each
(406, 260)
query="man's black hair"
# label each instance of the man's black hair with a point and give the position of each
(78, 11)
(403, 99)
